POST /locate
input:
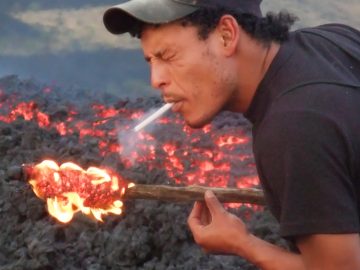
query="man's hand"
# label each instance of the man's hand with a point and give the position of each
(215, 229)
(218, 231)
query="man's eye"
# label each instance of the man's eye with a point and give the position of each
(168, 57)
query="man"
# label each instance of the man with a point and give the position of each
(300, 90)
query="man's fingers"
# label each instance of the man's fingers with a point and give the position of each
(195, 215)
(213, 203)
(205, 215)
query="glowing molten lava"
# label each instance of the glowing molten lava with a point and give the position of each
(215, 156)
(68, 189)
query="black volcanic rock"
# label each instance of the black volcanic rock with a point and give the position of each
(148, 235)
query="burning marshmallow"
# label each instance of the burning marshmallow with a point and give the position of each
(68, 188)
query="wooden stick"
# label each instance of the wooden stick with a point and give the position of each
(194, 193)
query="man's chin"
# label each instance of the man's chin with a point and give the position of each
(197, 124)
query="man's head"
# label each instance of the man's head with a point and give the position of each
(199, 51)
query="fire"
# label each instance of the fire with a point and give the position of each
(68, 189)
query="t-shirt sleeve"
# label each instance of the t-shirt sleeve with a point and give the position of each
(305, 163)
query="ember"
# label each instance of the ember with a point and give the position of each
(68, 189)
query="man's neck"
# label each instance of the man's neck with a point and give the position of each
(254, 62)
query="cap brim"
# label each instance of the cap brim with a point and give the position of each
(121, 18)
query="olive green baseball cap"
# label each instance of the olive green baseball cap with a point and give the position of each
(120, 19)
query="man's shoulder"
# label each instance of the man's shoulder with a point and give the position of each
(328, 38)
(326, 53)
(331, 31)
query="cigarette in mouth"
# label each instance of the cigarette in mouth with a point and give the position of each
(154, 116)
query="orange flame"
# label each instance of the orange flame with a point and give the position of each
(68, 189)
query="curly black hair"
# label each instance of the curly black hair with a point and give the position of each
(272, 27)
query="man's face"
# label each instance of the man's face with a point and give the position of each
(188, 71)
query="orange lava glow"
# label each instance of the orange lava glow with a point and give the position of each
(68, 189)
(187, 156)
(230, 140)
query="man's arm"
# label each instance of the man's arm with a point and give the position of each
(218, 231)
(331, 251)
(318, 252)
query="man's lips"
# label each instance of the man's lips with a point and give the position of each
(177, 106)
(177, 103)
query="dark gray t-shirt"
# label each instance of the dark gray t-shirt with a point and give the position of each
(306, 117)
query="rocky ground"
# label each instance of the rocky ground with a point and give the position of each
(148, 235)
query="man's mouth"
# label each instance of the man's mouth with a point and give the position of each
(177, 103)
(177, 106)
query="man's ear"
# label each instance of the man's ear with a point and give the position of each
(228, 30)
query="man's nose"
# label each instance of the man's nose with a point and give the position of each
(159, 76)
